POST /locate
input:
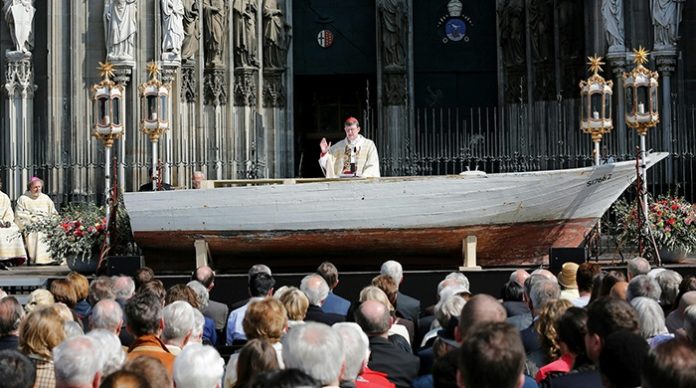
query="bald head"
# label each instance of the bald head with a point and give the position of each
(545, 273)
(373, 318)
(479, 309)
(519, 276)
(618, 290)
(205, 276)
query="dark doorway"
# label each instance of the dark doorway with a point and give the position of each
(322, 103)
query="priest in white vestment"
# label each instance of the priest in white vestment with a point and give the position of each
(352, 156)
(11, 242)
(31, 204)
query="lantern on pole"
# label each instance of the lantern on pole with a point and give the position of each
(595, 105)
(641, 108)
(155, 112)
(108, 99)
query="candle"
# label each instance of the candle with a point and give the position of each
(154, 116)
(641, 108)
(107, 120)
(595, 115)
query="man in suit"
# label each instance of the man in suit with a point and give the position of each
(401, 367)
(333, 303)
(406, 306)
(215, 310)
(316, 289)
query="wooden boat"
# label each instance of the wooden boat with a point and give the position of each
(357, 223)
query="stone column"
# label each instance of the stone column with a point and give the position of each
(169, 75)
(392, 75)
(122, 76)
(618, 67)
(666, 61)
(19, 84)
(245, 92)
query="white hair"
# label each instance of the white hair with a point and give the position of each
(459, 277)
(107, 315)
(258, 268)
(669, 282)
(315, 349)
(650, 316)
(394, 270)
(637, 266)
(448, 308)
(643, 285)
(124, 287)
(316, 293)
(198, 366)
(356, 347)
(178, 321)
(201, 293)
(544, 291)
(110, 350)
(75, 362)
(198, 326)
(72, 329)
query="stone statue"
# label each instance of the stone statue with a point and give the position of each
(274, 47)
(393, 17)
(613, 19)
(214, 14)
(120, 28)
(172, 29)
(189, 48)
(511, 16)
(541, 28)
(245, 45)
(666, 16)
(19, 15)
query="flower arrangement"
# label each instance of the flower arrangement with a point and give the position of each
(672, 223)
(78, 232)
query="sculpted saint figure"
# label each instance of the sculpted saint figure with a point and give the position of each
(666, 16)
(172, 28)
(393, 32)
(612, 16)
(214, 13)
(19, 15)
(189, 48)
(245, 33)
(119, 29)
(274, 43)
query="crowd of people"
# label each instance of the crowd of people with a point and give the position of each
(582, 327)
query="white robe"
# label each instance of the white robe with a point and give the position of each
(11, 243)
(27, 209)
(333, 162)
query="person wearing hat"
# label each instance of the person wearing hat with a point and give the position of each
(30, 206)
(353, 156)
(568, 282)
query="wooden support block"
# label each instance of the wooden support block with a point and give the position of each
(469, 254)
(202, 252)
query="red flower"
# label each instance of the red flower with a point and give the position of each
(671, 221)
(79, 233)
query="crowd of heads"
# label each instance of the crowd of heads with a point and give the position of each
(581, 326)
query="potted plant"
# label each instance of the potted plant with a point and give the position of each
(671, 224)
(75, 236)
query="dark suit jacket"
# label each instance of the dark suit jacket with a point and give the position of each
(408, 307)
(586, 379)
(385, 357)
(9, 342)
(217, 312)
(336, 305)
(316, 314)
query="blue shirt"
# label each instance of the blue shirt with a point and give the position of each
(235, 330)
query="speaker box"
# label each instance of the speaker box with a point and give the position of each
(122, 265)
(560, 256)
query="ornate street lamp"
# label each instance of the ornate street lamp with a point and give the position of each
(155, 112)
(595, 105)
(641, 108)
(108, 99)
